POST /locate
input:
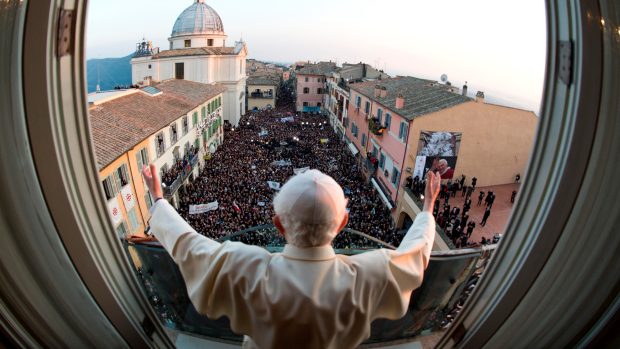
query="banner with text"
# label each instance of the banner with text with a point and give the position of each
(202, 208)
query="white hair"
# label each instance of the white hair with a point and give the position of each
(443, 161)
(305, 235)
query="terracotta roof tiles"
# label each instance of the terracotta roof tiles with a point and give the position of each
(119, 124)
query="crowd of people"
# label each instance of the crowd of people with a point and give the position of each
(267, 146)
(179, 168)
(455, 220)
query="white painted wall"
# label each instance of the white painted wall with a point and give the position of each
(228, 70)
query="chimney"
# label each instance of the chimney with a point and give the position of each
(465, 89)
(400, 101)
(480, 97)
(383, 92)
(377, 91)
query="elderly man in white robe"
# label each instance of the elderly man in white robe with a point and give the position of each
(307, 296)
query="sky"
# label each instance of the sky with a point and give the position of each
(497, 46)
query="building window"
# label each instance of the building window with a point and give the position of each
(363, 139)
(188, 43)
(382, 160)
(358, 101)
(185, 125)
(109, 188)
(203, 113)
(149, 66)
(395, 175)
(367, 108)
(179, 71)
(319, 91)
(142, 158)
(121, 230)
(379, 114)
(402, 132)
(209, 42)
(195, 119)
(305, 104)
(122, 175)
(388, 120)
(375, 151)
(133, 219)
(306, 90)
(148, 200)
(306, 79)
(354, 129)
(197, 143)
(160, 144)
(318, 104)
(173, 133)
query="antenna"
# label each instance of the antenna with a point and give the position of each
(444, 78)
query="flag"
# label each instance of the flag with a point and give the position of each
(273, 185)
(236, 207)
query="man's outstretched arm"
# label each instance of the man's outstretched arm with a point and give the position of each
(406, 265)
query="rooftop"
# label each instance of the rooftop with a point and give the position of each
(121, 123)
(265, 79)
(196, 51)
(421, 96)
(321, 68)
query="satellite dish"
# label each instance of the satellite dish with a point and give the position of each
(444, 77)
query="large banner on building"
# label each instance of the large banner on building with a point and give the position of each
(437, 151)
(128, 198)
(115, 211)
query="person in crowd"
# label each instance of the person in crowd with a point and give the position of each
(480, 198)
(513, 196)
(306, 296)
(487, 213)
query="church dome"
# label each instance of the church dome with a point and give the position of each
(197, 19)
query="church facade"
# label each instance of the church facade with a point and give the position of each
(198, 52)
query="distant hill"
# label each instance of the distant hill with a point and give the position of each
(110, 72)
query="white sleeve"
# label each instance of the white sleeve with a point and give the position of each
(210, 269)
(405, 267)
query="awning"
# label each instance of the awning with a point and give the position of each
(384, 198)
(353, 149)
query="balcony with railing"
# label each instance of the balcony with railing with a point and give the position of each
(176, 176)
(375, 127)
(449, 279)
(265, 95)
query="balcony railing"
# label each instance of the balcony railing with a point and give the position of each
(181, 177)
(375, 127)
(420, 203)
(261, 95)
(448, 281)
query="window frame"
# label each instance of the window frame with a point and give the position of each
(510, 286)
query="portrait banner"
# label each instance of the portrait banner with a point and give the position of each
(440, 150)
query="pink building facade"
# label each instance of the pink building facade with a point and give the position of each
(310, 91)
(380, 133)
